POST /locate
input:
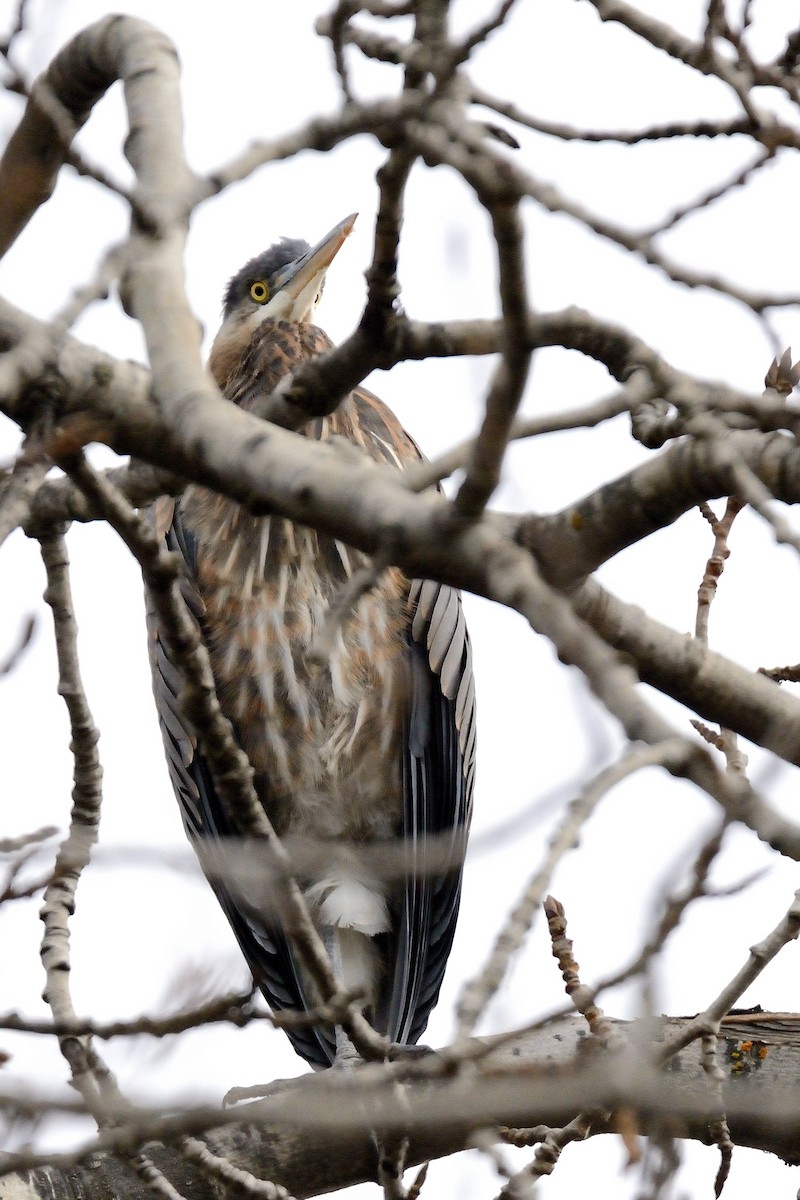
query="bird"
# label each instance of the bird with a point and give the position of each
(371, 749)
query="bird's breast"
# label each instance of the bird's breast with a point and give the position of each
(323, 736)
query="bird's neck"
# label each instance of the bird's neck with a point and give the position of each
(243, 357)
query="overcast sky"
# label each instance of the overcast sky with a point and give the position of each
(253, 70)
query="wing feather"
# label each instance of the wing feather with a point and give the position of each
(438, 778)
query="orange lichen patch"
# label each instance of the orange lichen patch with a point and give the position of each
(745, 1056)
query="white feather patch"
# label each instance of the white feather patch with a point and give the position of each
(347, 903)
(359, 966)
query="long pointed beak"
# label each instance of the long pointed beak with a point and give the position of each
(315, 261)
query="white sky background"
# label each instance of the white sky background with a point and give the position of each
(254, 70)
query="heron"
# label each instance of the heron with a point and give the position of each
(373, 748)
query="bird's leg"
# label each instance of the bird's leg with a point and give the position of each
(346, 1053)
(390, 1155)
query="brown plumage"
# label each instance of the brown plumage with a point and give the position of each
(376, 744)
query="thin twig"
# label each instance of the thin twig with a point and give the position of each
(231, 1176)
(479, 990)
(759, 957)
(13, 844)
(74, 853)
(235, 1009)
(16, 652)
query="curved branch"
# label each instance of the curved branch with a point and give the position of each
(117, 47)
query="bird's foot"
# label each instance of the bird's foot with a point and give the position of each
(398, 1051)
(258, 1091)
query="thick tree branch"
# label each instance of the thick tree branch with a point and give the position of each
(571, 544)
(536, 1079)
(684, 668)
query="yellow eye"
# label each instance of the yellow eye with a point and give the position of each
(259, 292)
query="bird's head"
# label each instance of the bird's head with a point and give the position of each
(284, 283)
